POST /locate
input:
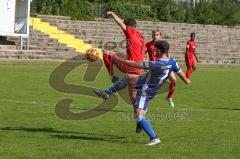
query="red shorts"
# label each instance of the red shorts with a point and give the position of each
(190, 62)
(109, 62)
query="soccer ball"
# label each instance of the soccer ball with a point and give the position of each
(92, 55)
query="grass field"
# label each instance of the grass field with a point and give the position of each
(30, 129)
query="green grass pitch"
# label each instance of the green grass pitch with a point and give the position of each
(30, 129)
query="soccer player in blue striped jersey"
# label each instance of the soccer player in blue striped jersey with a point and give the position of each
(148, 85)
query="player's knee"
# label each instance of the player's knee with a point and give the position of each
(194, 68)
(173, 80)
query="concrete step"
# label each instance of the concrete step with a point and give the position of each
(52, 49)
(54, 17)
(12, 38)
(35, 54)
(7, 47)
(41, 41)
(45, 43)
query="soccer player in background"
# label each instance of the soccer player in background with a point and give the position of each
(148, 85)
(151, 50)
(190, 54)
(135, 48)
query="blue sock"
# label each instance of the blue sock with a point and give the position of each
(117, 87)
(147, 127)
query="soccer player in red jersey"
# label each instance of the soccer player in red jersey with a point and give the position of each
(135, 48)
(190, 54)
(151, 50)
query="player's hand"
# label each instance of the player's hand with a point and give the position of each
(110, 53)
(109, 13)
(106, 52)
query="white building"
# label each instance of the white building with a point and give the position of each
(14, 18)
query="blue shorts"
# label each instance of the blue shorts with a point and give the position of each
(141, 102)
(142, 98)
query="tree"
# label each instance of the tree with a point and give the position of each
(189, 13)
(168, 10)
(228, 10)
(77, 9)
(205, 13)
(45, 6)
(134, 8)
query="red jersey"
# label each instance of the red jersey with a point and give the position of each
(191, 45)
(189, 57)
(151, 50)
(135, 45)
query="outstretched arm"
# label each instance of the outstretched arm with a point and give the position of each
(118, 20)
(183, 77)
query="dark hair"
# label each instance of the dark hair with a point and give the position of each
(155, 31)
(130, 22)
(162, 45)
(192, 34)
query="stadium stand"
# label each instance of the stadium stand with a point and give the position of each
(59, 37)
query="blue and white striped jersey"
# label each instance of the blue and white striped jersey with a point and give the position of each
(159, 71)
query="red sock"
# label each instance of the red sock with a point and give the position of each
(108, 63)
(188, 73)
(172, 88)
